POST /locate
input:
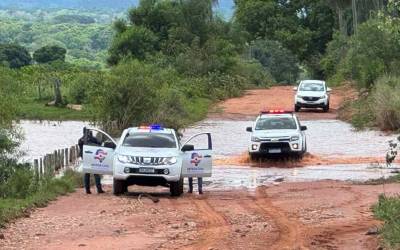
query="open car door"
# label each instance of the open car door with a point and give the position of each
(197, 156)
(98, 152)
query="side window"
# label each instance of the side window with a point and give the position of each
(96, 138)
(201, 142)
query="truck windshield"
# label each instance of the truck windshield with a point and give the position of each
(312, 86)
(149, 140)
(269, 123)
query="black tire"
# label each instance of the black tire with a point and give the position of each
(326, 108)
(119, 187)
(296, 108)
(176, 188)
(254, 157)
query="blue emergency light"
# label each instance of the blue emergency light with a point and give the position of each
(156, 127)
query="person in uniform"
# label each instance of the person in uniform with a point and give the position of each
(91, 140)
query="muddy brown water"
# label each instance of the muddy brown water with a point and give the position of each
(324, 137)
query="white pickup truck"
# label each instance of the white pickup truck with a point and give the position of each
(147, 156)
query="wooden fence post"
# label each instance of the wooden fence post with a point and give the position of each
(36, 168)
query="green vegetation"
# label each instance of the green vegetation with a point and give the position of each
(370, 59)
(86, 42)
(388, 210)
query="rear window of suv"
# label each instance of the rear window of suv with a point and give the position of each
(149, 140)
(270, 123)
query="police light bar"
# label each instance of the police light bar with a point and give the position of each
(276, 111)
(151, 127)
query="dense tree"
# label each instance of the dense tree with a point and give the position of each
(49, 54)
(14, 56)
(74, 19)
(278, 60)
(304, 27)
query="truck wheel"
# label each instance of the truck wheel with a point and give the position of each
(326, 108)
(254, 157)
(176, 188)
(119, 187)
(296, 108)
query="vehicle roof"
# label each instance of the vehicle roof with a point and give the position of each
(149, 130)
(313, 81)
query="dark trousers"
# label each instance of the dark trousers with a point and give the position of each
(199, 183)
(86, 181)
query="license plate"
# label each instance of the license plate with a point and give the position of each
(275, 151)
(146, 170)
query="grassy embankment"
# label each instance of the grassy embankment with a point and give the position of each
(37, 110)
(388, 210)
(15, 205)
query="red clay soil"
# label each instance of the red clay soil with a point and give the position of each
(278, 97)
(315, 215)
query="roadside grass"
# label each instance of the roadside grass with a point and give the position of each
(388, 210)
(12, 208)
(31, 109)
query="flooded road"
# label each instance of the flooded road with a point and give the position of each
(324, 137)
(331, 138)
(42, 138)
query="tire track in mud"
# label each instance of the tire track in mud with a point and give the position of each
(216, 226)
(289, 235)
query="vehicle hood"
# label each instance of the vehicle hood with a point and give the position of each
(148, 152)
(311, 93)
(275, 133)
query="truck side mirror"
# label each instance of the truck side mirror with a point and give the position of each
(249, 129)
(303, 128)
(187, 148)
(328, 89)
(295, 88)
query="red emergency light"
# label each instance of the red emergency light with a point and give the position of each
(276, 111)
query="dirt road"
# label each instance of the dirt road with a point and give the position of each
(300, 215)
(279, 97)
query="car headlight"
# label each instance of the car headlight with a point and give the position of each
(255, 139)
(171, 160)
(324, 97)
(295, 138)
(124, 159)
(299, 96)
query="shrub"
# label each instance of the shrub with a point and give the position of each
(335, 52)
(388, 210)
(82, 84)
(386, 102)
(373, 51)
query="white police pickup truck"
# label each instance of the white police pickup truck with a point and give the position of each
(277, 132)
(148, 156)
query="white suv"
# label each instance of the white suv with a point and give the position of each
(312, 94)
(148, 156)
(277, 132)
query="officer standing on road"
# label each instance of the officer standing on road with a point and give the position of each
(93, 141)
(199, 183)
